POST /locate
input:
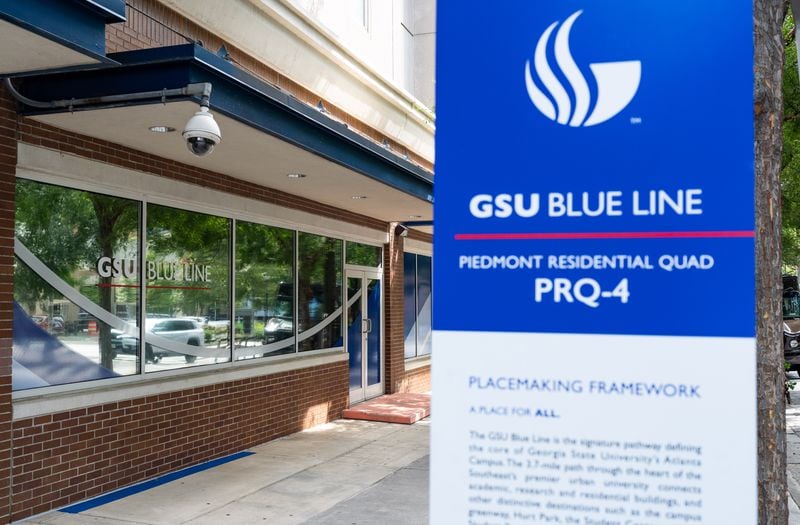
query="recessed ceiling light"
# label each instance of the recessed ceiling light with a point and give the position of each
(161, 129)
(415, 216)
(358, 197)
(296, 175)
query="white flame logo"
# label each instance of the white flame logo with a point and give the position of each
(617, 82)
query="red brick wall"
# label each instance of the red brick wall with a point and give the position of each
(394, 339)
(397, 379)
(69, 456)
(417, 380)
(8, 162)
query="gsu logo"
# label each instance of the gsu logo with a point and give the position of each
(617, 82)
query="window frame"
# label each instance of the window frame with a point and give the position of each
(226, 210)
(409, 361)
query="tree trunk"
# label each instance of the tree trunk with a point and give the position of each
(106, 293)
(768, 114)
(108, 213)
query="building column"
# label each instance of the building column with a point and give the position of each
(394, 340)
(8, 166)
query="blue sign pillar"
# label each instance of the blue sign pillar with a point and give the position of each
(594, 320)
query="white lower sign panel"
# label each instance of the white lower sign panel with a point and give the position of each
(593, 429)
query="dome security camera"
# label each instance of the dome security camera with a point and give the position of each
(202, 133)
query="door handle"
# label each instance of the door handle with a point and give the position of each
(366, 326)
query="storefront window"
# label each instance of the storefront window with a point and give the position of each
(77, 289)
(410, 304)
(417, 305)
(363, 255)
(424, 306)
(76, 286)
(264, 291)
(319, 292)
(187, 271)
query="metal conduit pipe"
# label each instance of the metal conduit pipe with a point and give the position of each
(203, 89)
(201, 133)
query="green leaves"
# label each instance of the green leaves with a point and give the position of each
(68, 230)
(790, 166)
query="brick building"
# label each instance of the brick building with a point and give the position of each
(160, 308)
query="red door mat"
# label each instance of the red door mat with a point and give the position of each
(395, 408)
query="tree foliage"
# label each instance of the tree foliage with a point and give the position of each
(183, 237)
(264, 260)
(67, 230)
(790, 166)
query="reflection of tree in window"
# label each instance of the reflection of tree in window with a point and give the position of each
(187, 269)
(186, 238)
(363, 254)
(265, 282)
(791, 304)
(69, 230)
(115, 219)
(319, 289)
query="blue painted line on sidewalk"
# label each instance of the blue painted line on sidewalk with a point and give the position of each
(147, 485)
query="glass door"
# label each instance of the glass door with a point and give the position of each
(364, 334)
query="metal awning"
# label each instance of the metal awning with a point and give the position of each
(267, 133)
(53, 34)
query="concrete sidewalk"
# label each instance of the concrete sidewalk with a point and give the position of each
(354, 472)
(793, 457)
(346, 472)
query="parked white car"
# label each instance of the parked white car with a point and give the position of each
(179, 329)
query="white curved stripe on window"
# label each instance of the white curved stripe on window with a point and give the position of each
(244, 351)
(83, 302)
(102, 315)
(248, 351)
(183, 348)
(61, 286)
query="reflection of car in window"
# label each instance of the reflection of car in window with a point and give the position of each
(791, 321)
(58, 325)
(83, 321)
(278, 323)
(182, 330)
(41, 321)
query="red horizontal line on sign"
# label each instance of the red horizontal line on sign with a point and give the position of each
(605, 235)
(105, 285)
